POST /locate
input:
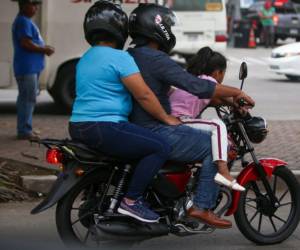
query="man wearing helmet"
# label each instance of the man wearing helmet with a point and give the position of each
(150, 29)
(106, 77)
(29, 53)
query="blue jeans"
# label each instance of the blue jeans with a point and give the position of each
(190, 145)
(28, 86)
(127, 141)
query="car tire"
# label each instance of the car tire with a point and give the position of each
(293, 78)
(63, 90)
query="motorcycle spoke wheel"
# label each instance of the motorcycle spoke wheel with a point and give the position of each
(75, 214)
(258, 220)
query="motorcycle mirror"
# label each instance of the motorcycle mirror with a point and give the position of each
(243, 71)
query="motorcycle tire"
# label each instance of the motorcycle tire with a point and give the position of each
(263, 208)
(65, 206)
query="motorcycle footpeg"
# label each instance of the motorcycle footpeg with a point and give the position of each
(184, 230)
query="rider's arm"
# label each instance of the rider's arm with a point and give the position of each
(171, 73)
(217, 101)
(146, 98)
(223, 91)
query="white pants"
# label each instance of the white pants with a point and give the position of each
(219, 140)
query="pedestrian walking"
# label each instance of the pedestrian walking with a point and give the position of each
(29, 53)
(266, 15)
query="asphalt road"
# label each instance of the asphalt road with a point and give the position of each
(21, 231)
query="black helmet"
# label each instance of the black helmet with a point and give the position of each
(106, 17)
(154, 22)
(256, 128)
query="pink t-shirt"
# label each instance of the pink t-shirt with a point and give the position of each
(186, 104)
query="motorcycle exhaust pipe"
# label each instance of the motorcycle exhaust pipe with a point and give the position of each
(136, 229)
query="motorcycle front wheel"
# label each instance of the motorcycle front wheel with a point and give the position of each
(258, 220)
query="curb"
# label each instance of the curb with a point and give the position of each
(29, 165)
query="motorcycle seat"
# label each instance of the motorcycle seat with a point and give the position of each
(85, 153)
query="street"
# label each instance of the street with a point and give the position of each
(21, 231)
(277, 99)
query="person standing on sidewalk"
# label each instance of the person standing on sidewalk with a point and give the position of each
(266, 15)
(29, 53)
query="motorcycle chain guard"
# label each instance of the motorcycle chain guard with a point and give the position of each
(250, 173)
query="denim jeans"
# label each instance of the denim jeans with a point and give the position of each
(127, 141)
(28, 86)
(190, 145)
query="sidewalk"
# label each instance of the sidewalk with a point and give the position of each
(283, 141)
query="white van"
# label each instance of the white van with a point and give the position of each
(201, 23)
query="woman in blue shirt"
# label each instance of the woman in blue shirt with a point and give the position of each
(106, 78)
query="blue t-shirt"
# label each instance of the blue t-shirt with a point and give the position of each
(100, 93)
(26, 62)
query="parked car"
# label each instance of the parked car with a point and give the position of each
(286, 20)
(285, 60)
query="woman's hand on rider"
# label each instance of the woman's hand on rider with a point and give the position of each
(172, 120)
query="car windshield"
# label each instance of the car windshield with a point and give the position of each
(195, 5)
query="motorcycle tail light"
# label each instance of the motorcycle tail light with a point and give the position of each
(54, 156)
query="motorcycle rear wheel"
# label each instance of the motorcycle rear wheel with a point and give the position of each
(255, 217)
(75, 212)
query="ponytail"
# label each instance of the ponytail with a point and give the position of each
(206, 61)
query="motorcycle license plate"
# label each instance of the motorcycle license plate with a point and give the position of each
(293, 31)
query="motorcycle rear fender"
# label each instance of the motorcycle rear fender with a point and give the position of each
(64, 183)
(250, 173)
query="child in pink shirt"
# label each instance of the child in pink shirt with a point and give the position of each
(210, 65)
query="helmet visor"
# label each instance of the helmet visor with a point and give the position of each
(171, 19)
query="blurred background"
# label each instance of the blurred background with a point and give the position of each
(232, 27)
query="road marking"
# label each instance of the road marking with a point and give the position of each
(256, 61)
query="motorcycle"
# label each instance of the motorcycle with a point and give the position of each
(90, 186)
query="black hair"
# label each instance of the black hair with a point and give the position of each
(206, 61)
(102, 36)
